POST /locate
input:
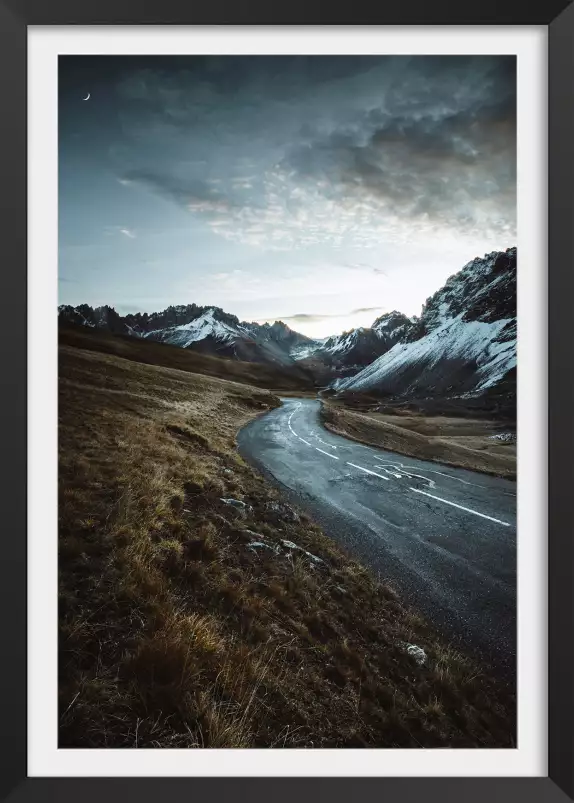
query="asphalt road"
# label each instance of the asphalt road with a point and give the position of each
(445, 537)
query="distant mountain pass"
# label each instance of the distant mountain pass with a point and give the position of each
(346, 354)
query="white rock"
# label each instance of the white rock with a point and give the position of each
(417, 653)
(290, 545)
(236, 503)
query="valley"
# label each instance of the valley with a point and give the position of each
(462, 346)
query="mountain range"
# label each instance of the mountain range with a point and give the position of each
(463, 342)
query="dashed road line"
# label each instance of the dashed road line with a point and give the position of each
(404, 472)
(467, 509)
(368, 471)
(399, 467)
(289, 424)
(330, 445)
(334, 456)
(394, 473)
(450, 476)
(299, 436)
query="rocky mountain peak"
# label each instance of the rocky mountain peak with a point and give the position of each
(279, 331)
(463, 342)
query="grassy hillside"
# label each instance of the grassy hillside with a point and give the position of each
(496, 404)
(198, 609)
(153, 353)
(455, 441)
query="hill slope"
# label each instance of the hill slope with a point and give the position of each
(278, 377)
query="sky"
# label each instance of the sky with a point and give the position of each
(321, 191)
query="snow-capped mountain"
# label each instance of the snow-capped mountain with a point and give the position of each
(463, 343)
(349, 352)
(363, 345)
(208, 325)
(217, 332)
(205, 329)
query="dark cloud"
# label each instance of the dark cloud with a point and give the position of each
(187, 86)
(436, 148)
(304, 317)
(381, 143)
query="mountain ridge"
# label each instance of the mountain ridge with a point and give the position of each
(463, 342)
(207, 329)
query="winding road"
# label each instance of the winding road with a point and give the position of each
(445, 537)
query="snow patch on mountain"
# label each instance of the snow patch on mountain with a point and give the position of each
(463, 343)
(433, 356)
(345, 342)
(305, 350)
(206, 325)
(349, 352)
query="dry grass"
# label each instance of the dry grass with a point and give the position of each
(175, 632)
(461, 442)
(264, 375)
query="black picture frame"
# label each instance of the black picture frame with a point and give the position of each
(15, 17)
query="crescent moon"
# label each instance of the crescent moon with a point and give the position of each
(87, 97)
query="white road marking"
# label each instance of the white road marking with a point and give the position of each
(467, 509)
(399, 467)
(330, 445)
(289, 423)
(295, 434)
(307, 442)
(432, 483)
(393, 473)
(450, 476)
(368, 471)
(334, 456)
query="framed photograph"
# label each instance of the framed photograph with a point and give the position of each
(294, 516)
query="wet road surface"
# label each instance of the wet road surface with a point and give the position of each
(445, 537)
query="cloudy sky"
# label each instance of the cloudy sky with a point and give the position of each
(321, 191)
